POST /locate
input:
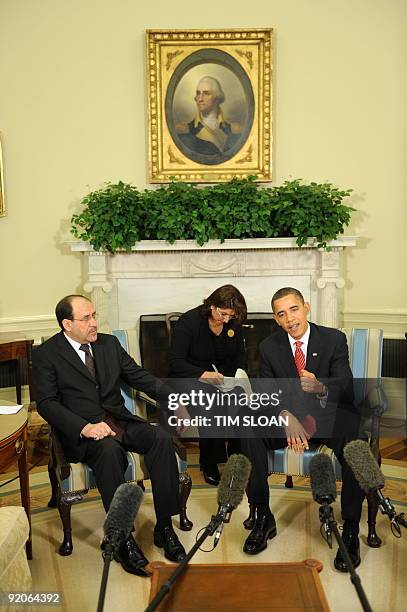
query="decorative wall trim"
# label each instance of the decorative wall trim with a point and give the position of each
(392, 321)
(36, 327)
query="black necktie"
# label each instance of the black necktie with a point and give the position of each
(89, 361)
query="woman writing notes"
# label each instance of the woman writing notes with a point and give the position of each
(208, 344)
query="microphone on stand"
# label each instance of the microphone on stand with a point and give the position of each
(231, 489)
(371, 480)
(117, 527)
(323, 486)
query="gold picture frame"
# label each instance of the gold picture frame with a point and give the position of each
(210, 104)
(2, 202)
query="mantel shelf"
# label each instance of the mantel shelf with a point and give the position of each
(215, 245)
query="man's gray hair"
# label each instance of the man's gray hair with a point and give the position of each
(215, 87)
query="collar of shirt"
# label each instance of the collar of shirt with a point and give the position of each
(304, 340)
(77, 347)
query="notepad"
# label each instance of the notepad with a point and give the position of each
(10, 409)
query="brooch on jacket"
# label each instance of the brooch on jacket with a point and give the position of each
(231, 333)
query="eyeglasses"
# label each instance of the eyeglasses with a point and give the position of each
(225, 315)
(86, 318)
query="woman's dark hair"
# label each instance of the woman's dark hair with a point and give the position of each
(227, 296)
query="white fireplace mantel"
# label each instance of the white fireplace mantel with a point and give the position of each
(158, 277)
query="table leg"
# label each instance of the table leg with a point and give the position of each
(25, 487)
(17, 370)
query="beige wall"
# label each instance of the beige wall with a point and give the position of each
(73, 115)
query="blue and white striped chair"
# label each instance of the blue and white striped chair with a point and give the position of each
(71, 481)
(365, 356)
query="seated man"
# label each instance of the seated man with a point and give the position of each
(77, 375)
(303, 352)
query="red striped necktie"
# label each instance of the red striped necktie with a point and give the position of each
(299, 356)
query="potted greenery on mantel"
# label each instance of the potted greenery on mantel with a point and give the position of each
(117, 216)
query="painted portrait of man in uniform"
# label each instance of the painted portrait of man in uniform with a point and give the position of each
(209, 111)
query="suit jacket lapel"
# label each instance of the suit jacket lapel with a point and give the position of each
(99, 355)
(67, 352)
(313, 350)
(287, 357)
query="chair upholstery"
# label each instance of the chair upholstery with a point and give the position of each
(365, 357)
(71, 481)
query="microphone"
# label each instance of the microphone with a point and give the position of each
(370, 479)
(323, 487)
(231, 489)
(117, 527)
(122, 512)
(323, 484)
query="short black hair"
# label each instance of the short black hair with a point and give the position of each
(63, 310)
(284, 292)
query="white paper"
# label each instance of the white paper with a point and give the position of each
(10, 409)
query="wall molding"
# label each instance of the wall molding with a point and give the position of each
(36, 327)
(392, 321)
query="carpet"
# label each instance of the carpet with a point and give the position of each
(383, 572)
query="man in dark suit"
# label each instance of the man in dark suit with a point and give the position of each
(77, 375)
(314, 361)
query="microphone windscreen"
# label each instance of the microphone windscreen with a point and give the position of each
(363, 465)
(323, 484)
(233, 482)
(122, 512)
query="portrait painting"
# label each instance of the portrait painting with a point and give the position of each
(209, 104)
(2, 203)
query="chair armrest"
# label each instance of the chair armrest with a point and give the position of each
(59, 462)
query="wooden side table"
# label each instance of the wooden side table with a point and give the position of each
(13, 443)
(14, 347)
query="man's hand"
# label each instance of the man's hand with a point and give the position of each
(297, 437)
(310, 384)
(181, 413)
(97, 431)
(215, 378)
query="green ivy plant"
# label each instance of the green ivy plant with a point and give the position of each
(118, 215)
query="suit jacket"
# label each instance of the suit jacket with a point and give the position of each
(192, 350)
(328, 359)
(68, 397)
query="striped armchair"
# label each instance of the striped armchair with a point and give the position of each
(71, 481)
(365, 356)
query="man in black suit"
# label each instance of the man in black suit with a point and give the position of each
(319, 404)
(77, 375)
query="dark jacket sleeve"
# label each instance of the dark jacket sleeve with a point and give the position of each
(140, 379)
(181, 342)
(47, 396)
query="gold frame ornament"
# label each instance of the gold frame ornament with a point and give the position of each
(2, 202)
(210, 104)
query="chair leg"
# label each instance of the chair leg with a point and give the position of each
(249, 522)
(289, 482)
(185, 485)
(53, 502)
(64, 508)
(373, 539)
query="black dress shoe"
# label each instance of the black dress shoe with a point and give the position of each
(264, 529)
(167, 538)
(351, 541)
(211, 474)
(131, 558)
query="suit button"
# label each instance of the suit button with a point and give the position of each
(97, 386)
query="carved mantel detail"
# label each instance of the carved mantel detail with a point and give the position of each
(157, 277)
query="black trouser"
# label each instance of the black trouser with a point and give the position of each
(213, 450)
(258, 492)
(107, 458)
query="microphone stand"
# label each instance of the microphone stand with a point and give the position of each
(210, 529)
(108, 556)
(326, 516)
